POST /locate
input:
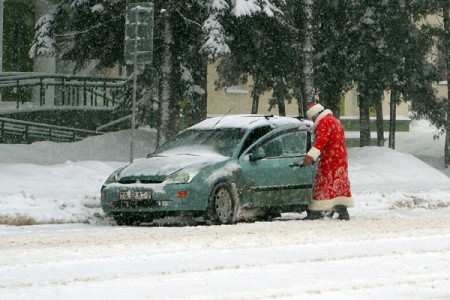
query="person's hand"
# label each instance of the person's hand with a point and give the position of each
(308, 160)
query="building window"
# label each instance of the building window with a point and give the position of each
(236, 90)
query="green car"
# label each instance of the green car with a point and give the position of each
(220, 171)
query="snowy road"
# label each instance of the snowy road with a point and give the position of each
(367, 258)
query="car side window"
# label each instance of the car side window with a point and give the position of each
(294, 143)
(254, 136)
(273, 148)
(286, 145)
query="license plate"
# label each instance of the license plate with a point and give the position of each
(135, 195)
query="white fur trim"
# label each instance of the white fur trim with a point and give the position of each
(314, 110)
(330, 204)
(326, 112)
(314, 153)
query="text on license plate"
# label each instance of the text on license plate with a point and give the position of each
(135, 195)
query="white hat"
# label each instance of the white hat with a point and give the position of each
(313, 110)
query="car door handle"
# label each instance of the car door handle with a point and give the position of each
(295, 165)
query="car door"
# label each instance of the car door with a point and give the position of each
(271, 173)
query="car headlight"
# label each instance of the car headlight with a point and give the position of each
(181, 177)
(113, 178)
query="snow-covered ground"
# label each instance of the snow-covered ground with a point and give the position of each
(396, 246)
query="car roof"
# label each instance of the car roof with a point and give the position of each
(246, 121)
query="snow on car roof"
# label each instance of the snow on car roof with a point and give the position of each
(244, 121)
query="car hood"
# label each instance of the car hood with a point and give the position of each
(159, 167)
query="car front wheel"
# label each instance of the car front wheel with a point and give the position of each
(220, 209)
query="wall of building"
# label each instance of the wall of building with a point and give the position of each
(351, 105)
(238, 100)
(441, 89)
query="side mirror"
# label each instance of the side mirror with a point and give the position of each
(258, 154)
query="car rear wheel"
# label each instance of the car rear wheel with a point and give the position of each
(220, 209)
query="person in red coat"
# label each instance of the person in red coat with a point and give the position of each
(331, 190)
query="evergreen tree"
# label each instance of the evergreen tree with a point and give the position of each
(445, 5)
(410, 76)
(392, 52)
(17, 28)
(186, 35)
(442, 119)
(255, 53)
(425, 104)
(93, 30)
(334, 51)
(370, 68)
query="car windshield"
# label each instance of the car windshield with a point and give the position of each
(223, 140)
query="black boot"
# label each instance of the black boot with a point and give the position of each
(313, 215)
(343, 213)
(329, 214)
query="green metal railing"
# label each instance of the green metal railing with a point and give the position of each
(16, 131)
(69, 90)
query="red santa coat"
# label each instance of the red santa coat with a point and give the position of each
(332, 186)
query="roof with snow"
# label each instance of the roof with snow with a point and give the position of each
(246, 121)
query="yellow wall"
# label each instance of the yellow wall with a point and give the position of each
(219, 102)
(239, 101)
(441, 89)
(352, 109)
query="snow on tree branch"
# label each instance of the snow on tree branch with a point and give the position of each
(99, 8)
(75, 3)
(368, 17)
(44, 43)
(218, 6)
(192, 88)
(215, 44)
(245, 8)
(250, 7)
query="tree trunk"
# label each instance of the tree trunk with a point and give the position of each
(166, 90)
(446, 8)
(281, 107)
(255, 102)
(334, 104)
(392, 118)
(379, 121)
(175, 83)
(364, 122)
(200, 76)
(256, 92)
(331, 100)
(302, 105)
(308, 69)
